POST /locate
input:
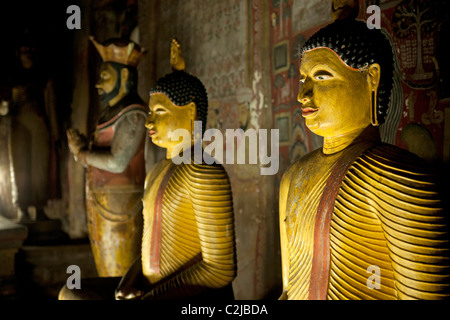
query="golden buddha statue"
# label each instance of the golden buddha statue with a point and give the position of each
(115, 161)
(188, 245)
(359, 219)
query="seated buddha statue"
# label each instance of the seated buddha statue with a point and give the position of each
(188, 244)
(359, 219)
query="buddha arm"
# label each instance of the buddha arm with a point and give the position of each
(409, 206)
(284, 190)
(418, 246)
(210, 192)
(127, 139)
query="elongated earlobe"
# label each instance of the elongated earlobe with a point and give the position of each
(373, 82)
(373, 109)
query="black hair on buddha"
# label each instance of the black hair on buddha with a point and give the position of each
(358, 46)
(182, 88)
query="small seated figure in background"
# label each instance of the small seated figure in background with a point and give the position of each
(359, 219)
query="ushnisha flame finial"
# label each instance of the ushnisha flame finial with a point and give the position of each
(176, 58)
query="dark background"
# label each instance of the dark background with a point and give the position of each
(44, 23)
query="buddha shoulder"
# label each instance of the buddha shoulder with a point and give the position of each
(304, 165)
(155, 172)
(394, 162)
(213, 174)
(396, 183)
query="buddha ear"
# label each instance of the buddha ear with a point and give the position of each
(193, 110)
(373, 79)
(373, 76)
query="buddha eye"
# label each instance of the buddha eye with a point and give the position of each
(322, 75)
(160, 111)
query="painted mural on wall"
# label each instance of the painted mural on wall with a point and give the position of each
(213, 32)
(414, 28)
(418, 119)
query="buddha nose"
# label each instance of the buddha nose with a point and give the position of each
(302, 100)
(305, 92)
(149, 122)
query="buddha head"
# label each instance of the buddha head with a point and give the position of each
(118, 72)
(345, 78)
(176, 101)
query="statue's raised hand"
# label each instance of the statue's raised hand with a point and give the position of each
(76, 141)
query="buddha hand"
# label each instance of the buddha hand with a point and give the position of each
(133, 284)
(127, 293)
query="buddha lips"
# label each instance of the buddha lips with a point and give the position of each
(308, 111)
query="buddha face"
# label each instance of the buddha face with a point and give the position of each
(335, 98)
(164, 118)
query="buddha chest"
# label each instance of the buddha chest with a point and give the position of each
(170, 239)
(384, 216)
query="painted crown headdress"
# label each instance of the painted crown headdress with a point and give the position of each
(120, 51)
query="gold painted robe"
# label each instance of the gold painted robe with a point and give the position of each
(388, 214)
(188, 242)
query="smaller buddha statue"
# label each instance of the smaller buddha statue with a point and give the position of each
(359, 219)
(115, 162)
(188, 244)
